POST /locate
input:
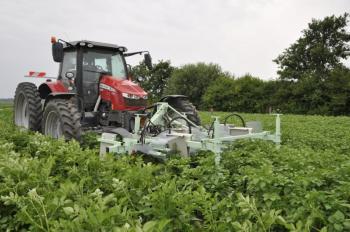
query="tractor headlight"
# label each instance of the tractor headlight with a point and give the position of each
(130, 96)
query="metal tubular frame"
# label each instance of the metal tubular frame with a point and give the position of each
(158, 146)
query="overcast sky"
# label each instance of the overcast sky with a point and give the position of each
(241, 36)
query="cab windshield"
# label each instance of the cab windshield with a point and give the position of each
(104, 61)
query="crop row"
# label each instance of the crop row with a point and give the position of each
(51, 185)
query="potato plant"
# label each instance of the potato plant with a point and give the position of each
(52, 185)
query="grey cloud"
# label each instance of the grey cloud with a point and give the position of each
(241, 36)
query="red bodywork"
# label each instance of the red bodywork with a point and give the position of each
(56, 86)
(111, 90)
(114, 93)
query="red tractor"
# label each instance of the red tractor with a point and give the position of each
(93, 91)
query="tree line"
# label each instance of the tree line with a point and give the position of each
(311, 77)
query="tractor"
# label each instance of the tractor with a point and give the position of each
(94, 90)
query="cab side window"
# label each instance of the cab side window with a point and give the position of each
(69, 64)
(102, 64)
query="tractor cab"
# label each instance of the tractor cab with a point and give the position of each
(91, 69)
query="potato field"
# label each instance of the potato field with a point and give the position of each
(53, 185)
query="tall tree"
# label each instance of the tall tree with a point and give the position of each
(154, 80)
(318, 51)
(337, 88)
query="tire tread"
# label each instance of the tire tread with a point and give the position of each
(31, 92)
(69, 115)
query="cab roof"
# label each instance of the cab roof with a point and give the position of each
(95, 44)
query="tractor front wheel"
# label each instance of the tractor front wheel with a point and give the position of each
(27, 107)
(61, 118)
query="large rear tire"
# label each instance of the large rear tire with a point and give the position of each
(183, 105)
(61, 119)
(27, 107)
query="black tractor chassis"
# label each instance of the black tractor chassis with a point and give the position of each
(123, 119)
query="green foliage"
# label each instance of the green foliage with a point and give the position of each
(244, 94)
(338, 91)
(155, 80)
(310, 96)
(314, 79)
(51, 185)
(219, 92)
(193, 80)
(319, 50)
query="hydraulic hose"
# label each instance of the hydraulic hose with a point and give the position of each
(237, 115)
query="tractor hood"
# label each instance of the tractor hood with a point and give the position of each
(126, 86)
(123, 86)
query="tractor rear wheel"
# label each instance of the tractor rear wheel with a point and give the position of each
(61, 118)
(27, 107)
(183, 105)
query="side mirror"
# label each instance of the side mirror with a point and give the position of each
(57, 52)
(148, 60)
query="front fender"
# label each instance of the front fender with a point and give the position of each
(45, 89)
(172, 97)
(60, 95)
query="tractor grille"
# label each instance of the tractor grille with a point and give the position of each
(135, 102)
